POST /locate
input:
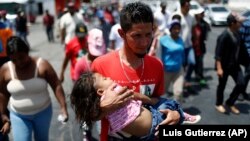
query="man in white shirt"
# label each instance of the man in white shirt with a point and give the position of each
(187, 23)
(161, 17)
(114, 37)
(68, 23)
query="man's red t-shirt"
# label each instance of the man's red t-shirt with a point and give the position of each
(75, 50)
(151, 83)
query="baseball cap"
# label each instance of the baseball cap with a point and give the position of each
(96, 43)
(234, 17)
(174, 22)
(81, 30)
(198, 11)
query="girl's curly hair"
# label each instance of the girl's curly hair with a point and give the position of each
(84, 99)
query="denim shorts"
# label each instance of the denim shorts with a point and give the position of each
(157, 118)
(164, 103)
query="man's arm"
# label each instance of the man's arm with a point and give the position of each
(174, 116)
(145, 99)
(63, 31)
(219, 68)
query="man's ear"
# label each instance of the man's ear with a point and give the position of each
(121, 33)
(100, 92)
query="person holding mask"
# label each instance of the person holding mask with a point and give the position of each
(133, 63)
(24, 86)
(96, 48)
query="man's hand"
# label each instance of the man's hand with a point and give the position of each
(220, 72)
(113, 100)
(172, 118)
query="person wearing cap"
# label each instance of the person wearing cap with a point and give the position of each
(172, 56)
(187, 24)
(96, 48)
(68, 23)
(227, 52)
(75, 49)
(199, 36)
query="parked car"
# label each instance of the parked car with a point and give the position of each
(246, 13)
(217, 14)
(194, 5)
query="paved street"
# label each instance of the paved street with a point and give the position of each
(202, 103)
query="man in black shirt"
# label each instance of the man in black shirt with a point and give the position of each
(227, 63)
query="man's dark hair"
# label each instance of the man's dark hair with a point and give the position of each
(183, 2)
(231, 19)
(134, 13)
(16, 44)
(177, 16)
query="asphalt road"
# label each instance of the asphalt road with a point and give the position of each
(203, 102)
(200, 102)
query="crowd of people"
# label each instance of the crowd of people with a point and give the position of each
(146, 53)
